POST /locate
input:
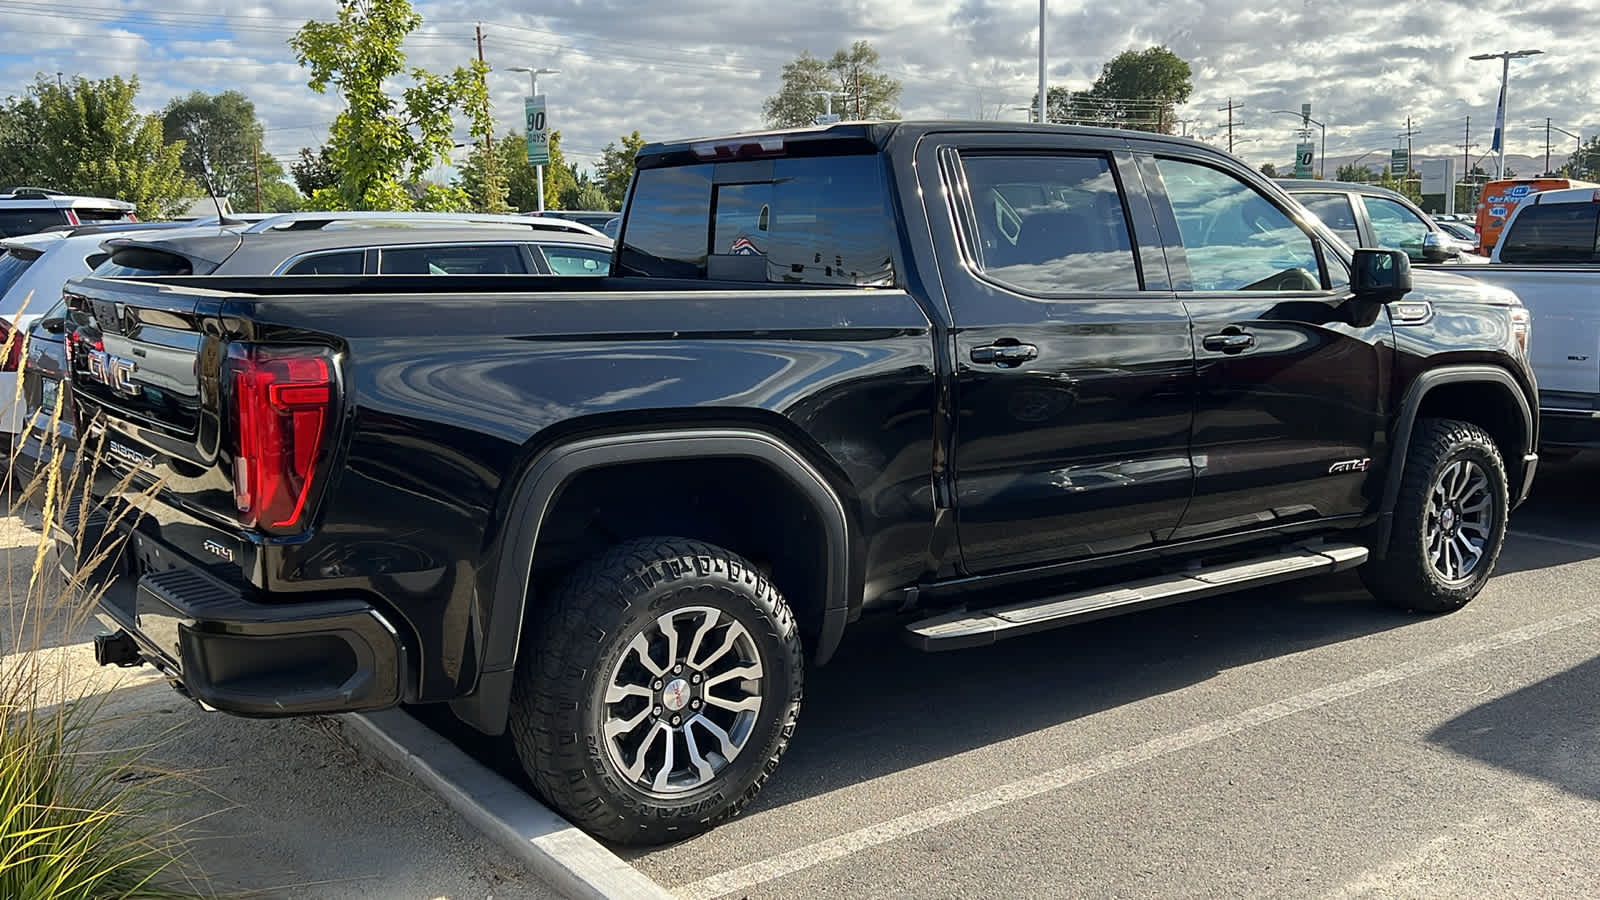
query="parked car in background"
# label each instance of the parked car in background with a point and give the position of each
(296, 244)
(1365, 215)
(25, 210)
(1463, 232)
(379, 244)
(594, 218)
(1500, 198)
(1549, 255)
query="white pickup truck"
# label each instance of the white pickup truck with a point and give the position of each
(1549, 254)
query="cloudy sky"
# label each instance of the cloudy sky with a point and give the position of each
(680, 68)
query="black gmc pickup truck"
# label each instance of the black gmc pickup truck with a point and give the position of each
(987, 379)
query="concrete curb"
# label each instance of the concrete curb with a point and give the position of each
(568, 860)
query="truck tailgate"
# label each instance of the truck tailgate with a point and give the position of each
(145, 365)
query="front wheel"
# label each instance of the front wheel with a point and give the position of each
(659, 692)
(1449, 521)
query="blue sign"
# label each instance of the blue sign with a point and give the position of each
(1520, 190)
(1497, 211)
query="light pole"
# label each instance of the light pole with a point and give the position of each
(827, 98)
(533, 91)
(1500, 113)
(1577, 157)
(1043, 88)
(1322, 157)
(1357, 162)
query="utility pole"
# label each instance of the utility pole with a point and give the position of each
(488, 139)
(1466, 152)
(1043, 89)
(1547, 128)
(1230, 108)
(255, 157)
(1406, 136)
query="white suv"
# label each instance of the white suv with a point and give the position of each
(25, 210)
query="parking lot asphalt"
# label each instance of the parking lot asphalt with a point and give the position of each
(1300, 740)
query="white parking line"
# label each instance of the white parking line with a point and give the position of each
(774, 867)
(1534, 536)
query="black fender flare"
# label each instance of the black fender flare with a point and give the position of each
(540, 487)
(1406, 421)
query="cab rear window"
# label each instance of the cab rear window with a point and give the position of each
(1553, 233)
(815, 220)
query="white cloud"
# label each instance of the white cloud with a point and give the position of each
(680, 68)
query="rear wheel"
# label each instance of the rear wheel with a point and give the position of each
(1449, 522)
(659, 693)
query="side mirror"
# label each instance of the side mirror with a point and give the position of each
(53, 325)
(1434, 248)
(1381, 276)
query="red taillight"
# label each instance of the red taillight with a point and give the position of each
(132, 217)
(284, 402)
(72, 218)
(11, 360)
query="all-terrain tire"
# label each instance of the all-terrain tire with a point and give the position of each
(1410, 575)
(586, 650)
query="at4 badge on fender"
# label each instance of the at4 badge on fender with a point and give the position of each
(1349, 465)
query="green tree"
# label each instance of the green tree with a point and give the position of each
(221, 138)
(615, 170)
(861, 90)
(521, 177)
(314, 171)
(378, 143)
(1353, 173)
(1269, 169)
(88, 137)
(1057, 109)
(1585, 163)
(1137, 89)
(1410, 186)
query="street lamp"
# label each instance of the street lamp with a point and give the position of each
(827, 98)
(1500, 113)
(1322, 158)
(533, 91)
(1043, 87)
(1358, 159)
(1577, 158)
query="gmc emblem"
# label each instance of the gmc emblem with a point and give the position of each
(112, 371)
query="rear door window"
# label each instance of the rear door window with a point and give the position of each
(1051, 225)
(466, 259)
(14, 222)
(1553, 233)
(345, 262)
(577, 260)
(1335, 212)
(815, 220)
